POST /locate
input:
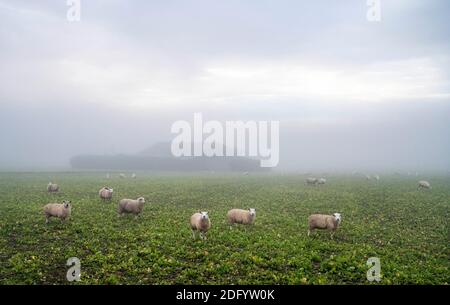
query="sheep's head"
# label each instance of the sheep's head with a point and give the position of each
(204, 215)
(50, 183)
(111, 190)
(141, 200)
(67, 204)
(338, 217)
(252, 212)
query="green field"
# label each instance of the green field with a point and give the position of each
(390, 219)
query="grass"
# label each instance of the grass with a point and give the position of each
(407, 229)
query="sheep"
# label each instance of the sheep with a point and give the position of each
(240, 216)
(52, 187)
(368, 177)
(424, 185)
(200, 222)
(311, 181)
(108, 176)
(377, 177)
(122, 176)
(133, 176)
(320, 221)
(105, 193)
(245, 173)
(131, 206)
(322, 181)
(61, 211)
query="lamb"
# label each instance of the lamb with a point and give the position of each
(240, 216)
(105, 193)
(311, 181)
(122, 176)
(424, 185)
(200, 222)
(320, 221)
(322, 181)
(52, 187)
(58, 210)
(131, 206)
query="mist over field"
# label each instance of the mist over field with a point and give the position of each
(226, 142)
(349, 94)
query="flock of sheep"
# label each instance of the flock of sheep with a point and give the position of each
(200, 222)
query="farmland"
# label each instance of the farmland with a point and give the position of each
(389, 219)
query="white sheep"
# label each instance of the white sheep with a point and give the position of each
(59, 210)
(377, 177)
(200, 222)
(133, 176)
(131, 206)
(108, 176)
(320, 221)
(106, 193)
(52, 187)
(122, 176)
(321, 181)
(241, 216)
(311, 181)
(424, 185)
(368, 177)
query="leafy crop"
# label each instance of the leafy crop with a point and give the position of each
(390, 219)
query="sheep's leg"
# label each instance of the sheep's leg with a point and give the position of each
(46, 219)
(309, 232)
(193, 234)
(202, 236)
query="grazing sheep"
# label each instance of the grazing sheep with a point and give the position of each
(322, 181)
(240, 216)
(424, 185)
(58, 210)
(52, 187)
(131, 206)
(245, 173)
(311, 181)
(133, 176)
(367, 177)
(200, 222)
(320, 221)
(122, 176)
(105, 193)
(377, 177)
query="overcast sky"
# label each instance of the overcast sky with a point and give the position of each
(348, 93)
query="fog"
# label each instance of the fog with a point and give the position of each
(349, 94)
